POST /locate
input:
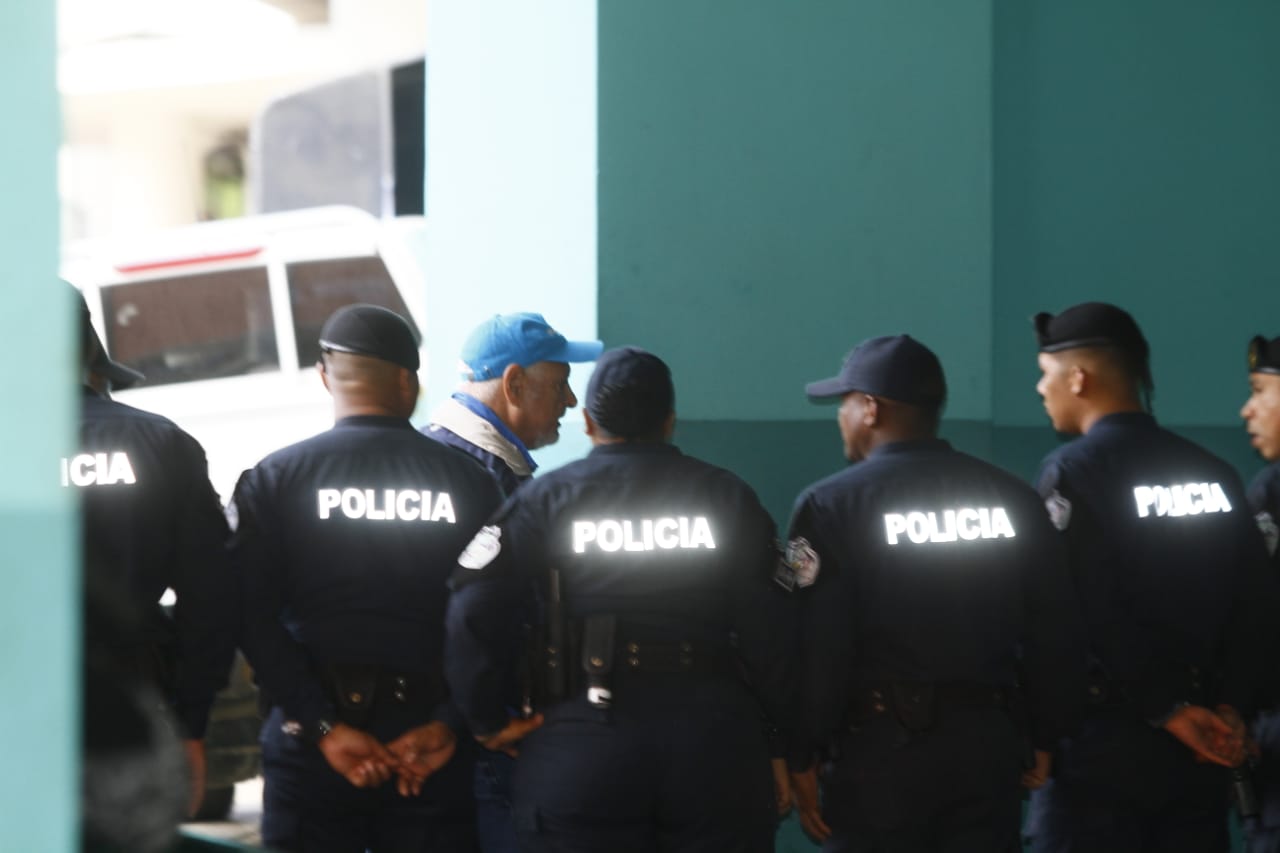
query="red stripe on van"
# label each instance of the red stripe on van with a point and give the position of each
(146, 266)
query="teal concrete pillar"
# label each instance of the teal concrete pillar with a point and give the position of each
(39, 788)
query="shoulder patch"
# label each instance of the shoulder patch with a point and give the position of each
(482, 550)
(803, 561)
(1270, 531)
(1059, 509)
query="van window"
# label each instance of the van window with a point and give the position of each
(318, 288)
(193, 327)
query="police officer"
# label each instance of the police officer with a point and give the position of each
(345, 541)
(1168, 566)
(657, 571)
(151, 522)
(515, 389)
(1261, 414)
(926, 569)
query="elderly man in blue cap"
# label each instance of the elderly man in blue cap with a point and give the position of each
(515, 390)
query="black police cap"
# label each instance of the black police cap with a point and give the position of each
(373, 331)
(630, 393)
(1264, 355)
(1091, 324)
(895, 366)
(120, 376)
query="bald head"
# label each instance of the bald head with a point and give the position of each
(364, 385)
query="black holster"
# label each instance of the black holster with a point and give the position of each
(352, 688)
(1243, 793)
(914, 704)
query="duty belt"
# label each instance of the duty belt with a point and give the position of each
(357, 689)
(613, 650)
(917, 704)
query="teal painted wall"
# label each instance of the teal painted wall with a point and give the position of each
(38, 617)
(1137, 160)
(780, 181)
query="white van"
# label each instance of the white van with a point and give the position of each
(223, 318)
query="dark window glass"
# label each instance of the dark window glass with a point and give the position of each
(318, 288)
(193, 327)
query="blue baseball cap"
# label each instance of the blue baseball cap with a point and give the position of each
(896, 366)
(522, 339)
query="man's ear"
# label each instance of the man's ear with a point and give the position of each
(1078, 379)
(408, 382)
(589, 424)
(871, 412)
(513, 383)
(324, 377)
(669, 427)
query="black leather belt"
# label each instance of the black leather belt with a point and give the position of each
(909, 701)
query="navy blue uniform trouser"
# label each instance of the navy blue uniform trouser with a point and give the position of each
(308, 807)
(953, 789)
(1262, 833)
(1123, 786)
(678, 766)
(494, 822)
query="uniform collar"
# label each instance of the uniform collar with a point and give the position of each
(635, 448)
(474, 421)
(1124, 419)
(372, 420)
(912, 446)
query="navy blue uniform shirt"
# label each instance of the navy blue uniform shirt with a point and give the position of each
(1167, 561)
(640, 531)
(345, 542)
(928, 565)
(152, 521)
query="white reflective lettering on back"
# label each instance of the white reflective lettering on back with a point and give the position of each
(386, 505)
(98, 469)
(1180, 499)
(949, 525)
(646, 534)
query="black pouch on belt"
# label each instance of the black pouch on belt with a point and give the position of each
(914, 704)
(598, 639)
(353, 687)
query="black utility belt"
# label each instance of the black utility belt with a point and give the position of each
(1189, 682)
(357, 689)
(605, 652)
(917, 705)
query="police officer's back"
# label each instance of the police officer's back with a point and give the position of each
(151, 522)
(1170, 574)
(928, 570)
(345, 542)
(658, 571)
